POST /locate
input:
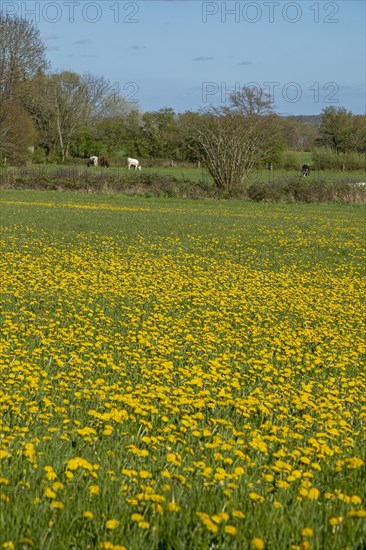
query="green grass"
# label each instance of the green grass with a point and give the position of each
(205, 360)
(200, 174)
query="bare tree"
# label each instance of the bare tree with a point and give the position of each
(22, 54)
(99, 96)
(251, 101)
(37, 99)
(235, 139)
(69, 97)
(62, 103)
(228, 148)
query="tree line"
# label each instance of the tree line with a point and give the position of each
(51, 116)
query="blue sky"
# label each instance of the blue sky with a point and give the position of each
(187, 54)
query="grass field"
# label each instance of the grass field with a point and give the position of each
(194, 174)
(180, 375)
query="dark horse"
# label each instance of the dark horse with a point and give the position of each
(305, 170)
(104, 162)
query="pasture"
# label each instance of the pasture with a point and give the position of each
(181, 375)
(185, 173)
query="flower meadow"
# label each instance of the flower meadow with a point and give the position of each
(181, 375)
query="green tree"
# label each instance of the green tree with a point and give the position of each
(17, 133)
(159, 130)
(336, 129)
(118, 131)
(62, 104)
(187, 125)
(358, 138)
(299, 135)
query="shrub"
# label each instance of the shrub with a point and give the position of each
(325, 158)
(290, 161)
(80, 178)
(304, 190)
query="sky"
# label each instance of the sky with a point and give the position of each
(189, 54)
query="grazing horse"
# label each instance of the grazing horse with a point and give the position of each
(305, 170)
(92, 161)
(133, 162)
(104, 162)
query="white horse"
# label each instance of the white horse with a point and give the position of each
(133, 162)
(93, 161)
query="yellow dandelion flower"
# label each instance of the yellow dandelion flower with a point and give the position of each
(78, 462)
(94, 490)
(258, 544)
(86, 431)
(88, 515)
(256, 497)
(357, 514)
(144, 474)
(30, 452)
(216, 518)
(173, 507)
(4, 454)
(354, 463)
(282, 484)
(158, 509)
(231, 529)
(211, 526)
(50, 473)
(313, 493)
(307, 532)
(49, 493)
(57, 504)
(335, 521)
(112, 524)
(174, 458)
(137, 517)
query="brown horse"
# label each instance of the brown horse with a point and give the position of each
(104, 162)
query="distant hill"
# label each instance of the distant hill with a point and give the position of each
(314, 120)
